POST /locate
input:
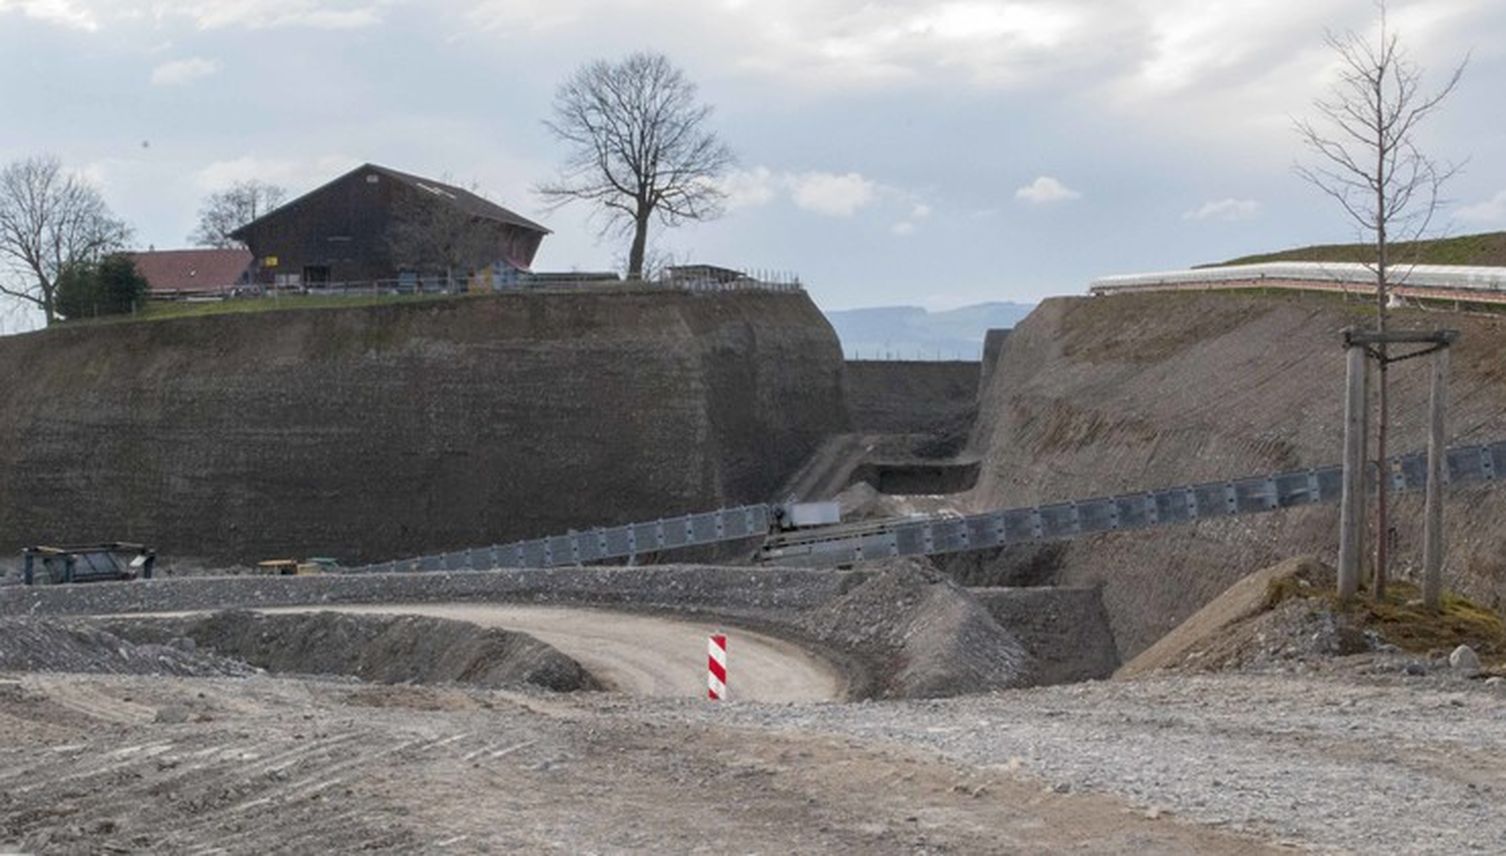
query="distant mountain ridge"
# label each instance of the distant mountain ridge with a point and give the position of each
(913, 333)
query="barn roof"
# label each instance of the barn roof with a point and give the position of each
(465, 200)
(168, 271)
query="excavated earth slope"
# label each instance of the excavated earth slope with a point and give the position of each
(381, 431)
(1095, 396)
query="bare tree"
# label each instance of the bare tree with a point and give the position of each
(227, 210)
(50, 220)
(433, 236)
(639, 148)
(1366, 158)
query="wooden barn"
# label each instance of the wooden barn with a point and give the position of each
(375, 224)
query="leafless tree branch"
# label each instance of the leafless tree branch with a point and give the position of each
(227, 210)
(50, 219)
(639, 149)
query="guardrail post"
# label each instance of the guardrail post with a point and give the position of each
(1432, 534)
(1352, 501)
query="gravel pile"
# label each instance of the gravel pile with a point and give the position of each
(378, 648)
(926, 636)
(74, 645)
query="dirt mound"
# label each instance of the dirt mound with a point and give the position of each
(378, 648)
(1251, 596)
(925, 635)
(76, 645)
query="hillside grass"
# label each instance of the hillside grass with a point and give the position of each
(1487, 248)
(167, 310)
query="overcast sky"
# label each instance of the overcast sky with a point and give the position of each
(931, 153)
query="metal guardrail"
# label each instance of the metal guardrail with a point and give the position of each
(849, 543)
(595, 545)
(1066, 520)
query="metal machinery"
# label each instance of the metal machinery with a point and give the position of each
(88, 564)
(292, 567)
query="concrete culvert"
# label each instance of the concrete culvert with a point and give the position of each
(387, 649)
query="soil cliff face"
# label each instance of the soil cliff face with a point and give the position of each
(374, 432)
(1094, 396)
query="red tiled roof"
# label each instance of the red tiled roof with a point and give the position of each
(168, 271)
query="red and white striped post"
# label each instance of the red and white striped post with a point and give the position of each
(716, 667)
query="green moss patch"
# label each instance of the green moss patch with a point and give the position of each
(1401, 620)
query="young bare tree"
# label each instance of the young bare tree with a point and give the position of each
(639, 148)
(49, 221)
(228, 210)
(1366, 158)
(433, 236)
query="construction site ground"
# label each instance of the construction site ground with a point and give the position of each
(1169, 764)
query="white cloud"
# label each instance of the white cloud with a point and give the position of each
(262, 14)
(904, 228)
(208, 14)
(831, 194)
(1225, 209)
(749, 188)
(298, 176)
(1045, 190)
(181, 71)
(920, 212)
(65, 12)
(1492, 210)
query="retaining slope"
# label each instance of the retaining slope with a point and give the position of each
(369, 433)
(1094, 396)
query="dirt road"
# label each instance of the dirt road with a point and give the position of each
(114, 764)
(648, 655)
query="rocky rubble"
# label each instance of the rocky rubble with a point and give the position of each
(77, 645)
(927, 635)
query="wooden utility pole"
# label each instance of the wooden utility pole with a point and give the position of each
(1432, 535)
(1352, 502)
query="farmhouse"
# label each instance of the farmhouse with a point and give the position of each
(375, 224)
(193, 273)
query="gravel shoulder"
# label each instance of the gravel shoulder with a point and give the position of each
(1326, 763)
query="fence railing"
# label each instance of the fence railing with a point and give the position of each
(1074, 519)
(847, 544)
(430, 285)
(595, 545)
(1429, 282)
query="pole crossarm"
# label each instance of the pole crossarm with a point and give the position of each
(1435, 340)
(1355, 337)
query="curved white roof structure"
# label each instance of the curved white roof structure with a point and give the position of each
(1456, 282)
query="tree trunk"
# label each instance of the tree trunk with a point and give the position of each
(640, 245)
(1382, 420)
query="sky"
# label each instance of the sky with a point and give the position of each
(889, 151)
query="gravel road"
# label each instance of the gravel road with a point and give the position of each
(1325, 763)
(645, 655)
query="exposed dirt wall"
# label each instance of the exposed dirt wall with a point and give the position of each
(1094, 396)
(911, 397)
(374, 432)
